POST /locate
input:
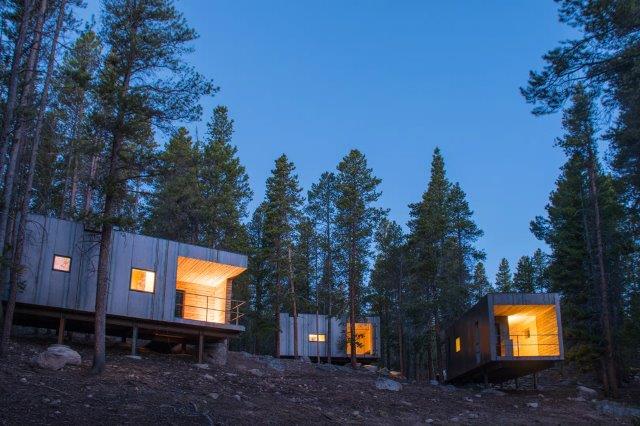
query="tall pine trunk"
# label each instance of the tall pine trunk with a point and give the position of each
(88, 191)
(294, 306)
(352, 304)
(21, 132)
(609, 361)
(12, 92)
(26, 196)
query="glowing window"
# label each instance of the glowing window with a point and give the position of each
(61, 263)
(317, 338)
(458, 346)
(142, 280)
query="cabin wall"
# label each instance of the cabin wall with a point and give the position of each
(473, 330)
(337, 342)
(76, 289)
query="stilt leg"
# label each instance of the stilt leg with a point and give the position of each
(61, 331)
(184, 347)
(516, 380)
(535, 381)
(200, 348)
(134, 339)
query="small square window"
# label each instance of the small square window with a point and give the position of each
(458, 345)
(142, 280)
(61, 263)
(317, 338)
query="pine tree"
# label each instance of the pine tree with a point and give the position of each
(356, 220)
(225, 187)
(176, 199)
(480, 285)
(143, 83)
(524, 277)
(321, 210)
(282, 213)
(504, 282)
(540, 274)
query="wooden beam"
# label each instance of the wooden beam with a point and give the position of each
(200, 348)
(61, 330)
(134, 339)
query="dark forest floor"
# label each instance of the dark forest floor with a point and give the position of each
(170, 389)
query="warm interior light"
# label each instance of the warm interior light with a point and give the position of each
(526, 330)
(458, 345)
(142, 280)
(364, 338)
(61, 263)
(317, 337)
(204, 287)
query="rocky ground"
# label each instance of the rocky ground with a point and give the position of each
(167, 388)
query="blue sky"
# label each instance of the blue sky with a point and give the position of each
(395, 80)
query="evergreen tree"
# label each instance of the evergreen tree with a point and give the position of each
(282, 213)
(540, 275)
(143, 84)
(225, 187)
(504, 283)
(356, 220)
(480, 285)
(524, 277)
(176, 200)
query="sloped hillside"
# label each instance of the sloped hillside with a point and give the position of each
(161, 389)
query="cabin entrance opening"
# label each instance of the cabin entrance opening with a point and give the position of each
(202, 291)
(526, 330)
(364, 338)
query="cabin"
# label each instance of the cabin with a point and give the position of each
(158, 289)
(504, 336)
(321, 336)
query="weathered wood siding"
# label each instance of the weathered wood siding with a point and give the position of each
(76, 289)
(307, 325)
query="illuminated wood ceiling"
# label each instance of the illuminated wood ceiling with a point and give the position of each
(204, 272)
(528, 310)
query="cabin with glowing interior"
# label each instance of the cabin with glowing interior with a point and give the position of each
(158, 289)
(504, 336)
(320, 337)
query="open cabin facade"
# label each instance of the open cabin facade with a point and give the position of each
(504, 336)
(322, 336)
(158, 289)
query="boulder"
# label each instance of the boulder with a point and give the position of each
(434, 382)
(388, 384)
(492, 391)
(384, 371)
(372, 368)
(216, 353)
(256, 372)
(56, 357)
(586, 392)
(532, 404)
(396, 374)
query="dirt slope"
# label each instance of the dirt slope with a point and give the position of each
(163, 389)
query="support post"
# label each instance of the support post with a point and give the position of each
(200, 347)
(61, 330)
(134, 340)
(486, 379)
(516, 380)
(535, 381)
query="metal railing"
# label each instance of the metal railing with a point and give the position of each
(514, 345)
(208, 309)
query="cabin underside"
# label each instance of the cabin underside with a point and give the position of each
(64, 320)
(502, 371)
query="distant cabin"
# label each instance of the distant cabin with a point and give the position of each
(157, 288)
(319, 335)
(505, 336)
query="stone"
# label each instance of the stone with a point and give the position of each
(23, 380)
(577, 399)
(616, 409)
(492, 391)
(216, 353)
(256, 372)
(532, 404)
(396, 374)
(388, 384)
(372, 368)
(468, 399)
(237, 397)
(429, 421)
(586, 392)
(384, 371)
(136, 357)
(201, 366)
(56, 357)
(473, 415)
(449, 388)
(434, 383)
(214, 395)
(208, 376)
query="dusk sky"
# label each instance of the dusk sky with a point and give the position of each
(395, 80)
